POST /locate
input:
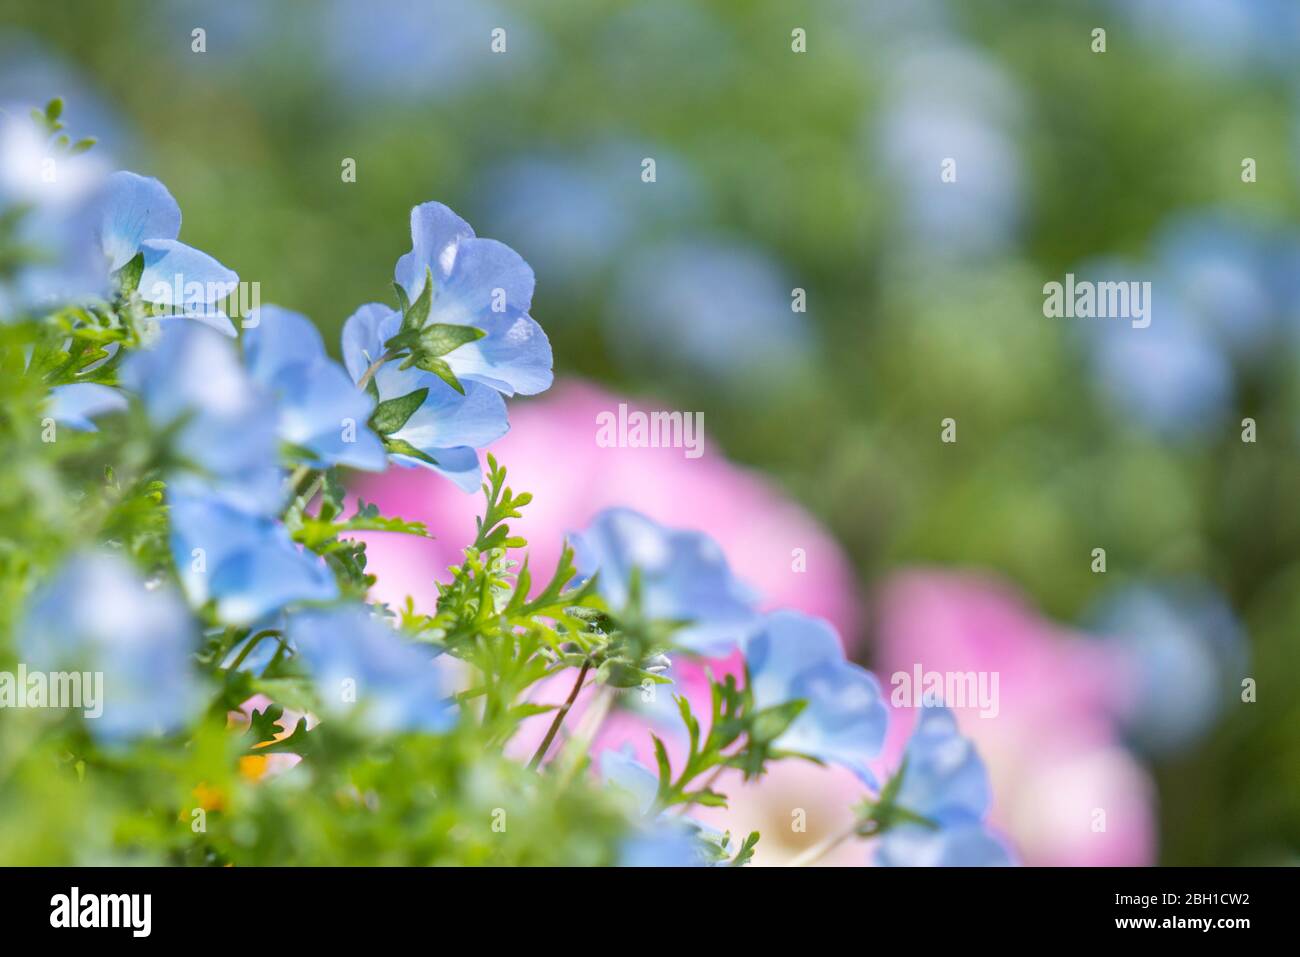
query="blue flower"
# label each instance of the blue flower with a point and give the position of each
(945, 782)
(363, 668)
(319, 409)
(484, 284)
(794, 657)
(447, 428)
(683, 576)
(718, 308)
(136, 215)
(77, 404)
(1184, 650)
(661, 840)
(246, 563)
(96, 614)
(192, 381)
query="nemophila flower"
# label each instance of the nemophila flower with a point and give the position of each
(125, 217)
(96, 614)
(431, 423)
(792, 656)
(319, 410)
(365, 669)
(1183, 653)
(709, 306)
(658, 840)
(944, 781)
(949, 100)
(223, 424)
(680, 576)
(39, 214)
(246, 563)
(78, 403)
(369, 46)
(136, 215)
(480, 283)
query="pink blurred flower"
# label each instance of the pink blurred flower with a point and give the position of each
(1058, 771)
(551, 451)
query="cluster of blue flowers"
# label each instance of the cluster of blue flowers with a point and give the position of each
(236, 421)
(248, 424)
(684, 576)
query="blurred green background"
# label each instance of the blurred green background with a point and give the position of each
(819, 170)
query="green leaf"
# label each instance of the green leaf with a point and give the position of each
(391, 415)
(54, 109)
(443, 371)
(128, 277)
(418, 313)
(401, 447)
(402, 300)
(440, 338)
(82, 145)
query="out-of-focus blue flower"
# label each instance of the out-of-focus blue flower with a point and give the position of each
(1236, 35)
(448, 426)
(1171, 375)
(192, 381)
(948, 101)
(96, 614)
(661, 844)
(793, 656)
(319, 408)
(412, 49)
(484, 284)
(135, 214)
(662, 840)
(43, 195)
(1239, 280)
(77, 404)
(247, 563)
(945, 782)
(683, 576)
(619, 768)
(574, 214)
(1185, 651)
(364, 669)
(709, 306)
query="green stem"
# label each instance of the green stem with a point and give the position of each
(559, 717)
(249, 646)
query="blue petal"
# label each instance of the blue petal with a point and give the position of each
(435, 231)
(229, 430)
(247, 563)
(943, 777)
(130, 210)
(966, 845)
(514, 356)
(461, 465)
(182, 278)
(625, 772)
(363, 337)
(364, 669)
(797, 657)
(319, 407)
(96, 614)
(684, 577)
(75, 405)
